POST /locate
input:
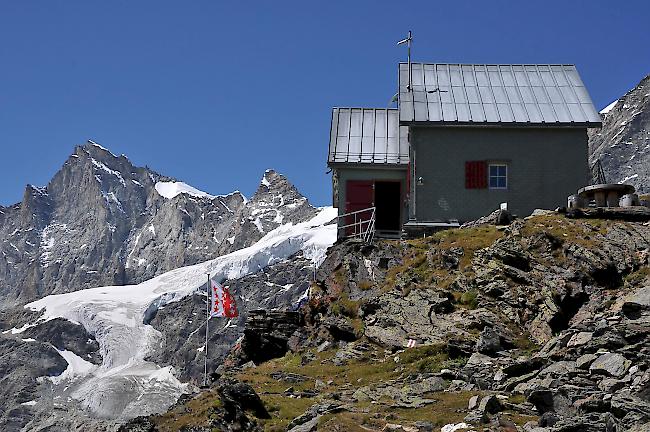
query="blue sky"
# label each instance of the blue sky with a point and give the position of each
(215, 92)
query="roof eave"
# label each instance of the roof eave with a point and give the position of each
(501, 124)
(371, 165)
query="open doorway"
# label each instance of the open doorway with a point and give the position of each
(388, 202)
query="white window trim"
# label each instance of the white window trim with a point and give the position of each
(503, 164)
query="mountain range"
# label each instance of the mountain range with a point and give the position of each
(103, 221)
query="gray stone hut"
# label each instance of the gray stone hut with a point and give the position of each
(464, 139)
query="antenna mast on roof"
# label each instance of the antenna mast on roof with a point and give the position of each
(408, 42)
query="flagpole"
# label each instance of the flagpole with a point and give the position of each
(410, 39)
(207, 324)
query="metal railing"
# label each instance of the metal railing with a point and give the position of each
(362, 224)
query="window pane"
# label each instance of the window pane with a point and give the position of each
(501, 182)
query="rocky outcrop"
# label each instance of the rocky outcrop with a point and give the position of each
(574, 288)
(28, 363)
(31, 360)
(230, 406)
(623, 143)
(267, 335)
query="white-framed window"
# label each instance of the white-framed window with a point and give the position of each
(498, 176)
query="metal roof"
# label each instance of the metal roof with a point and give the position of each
(368, 135)
(495, 94)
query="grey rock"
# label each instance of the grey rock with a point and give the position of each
(65, 335)
(560, 368)
(489, 405)
(612, 364)
(585, 360)
(288, 377)
(476, 417)
(21, 363)
(424, 426)
(392, 318)
(478, 360)
(611, 385)
(309, 426)
(313, 413)
(488, 342)
(638, 301)
(473, 403)
(579, 339)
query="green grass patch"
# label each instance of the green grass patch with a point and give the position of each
(638, 277)
(365, 285)
(469, 299)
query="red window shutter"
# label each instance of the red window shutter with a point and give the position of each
(475, 175)
(468, 175)
(482, 176)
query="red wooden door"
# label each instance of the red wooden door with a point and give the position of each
(359, 195)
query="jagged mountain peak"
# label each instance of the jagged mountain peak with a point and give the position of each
(275, 185)
(97, 150)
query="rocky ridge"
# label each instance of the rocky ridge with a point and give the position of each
(543, 325)
(101, 221)
(623, 143)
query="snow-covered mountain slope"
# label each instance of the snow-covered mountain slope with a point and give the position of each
(103, 221)
(126, 384)
(623, 144)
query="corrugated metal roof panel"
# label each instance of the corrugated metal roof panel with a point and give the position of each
(475, 93)
(368, 135)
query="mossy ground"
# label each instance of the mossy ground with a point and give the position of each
(375, 367)
(193, 412)
(423, 259)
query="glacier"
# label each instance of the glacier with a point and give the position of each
(126, 385)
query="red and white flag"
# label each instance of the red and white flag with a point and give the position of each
(223, 303)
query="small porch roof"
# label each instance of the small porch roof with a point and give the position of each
(367, 136)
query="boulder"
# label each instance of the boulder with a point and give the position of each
(309, 419)
(310, 425)
(267, 334)
(340, 329)
(490, 405)
(488, 342)
(584, 361)
(579, 339)
(639, 301)
(612, 364)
